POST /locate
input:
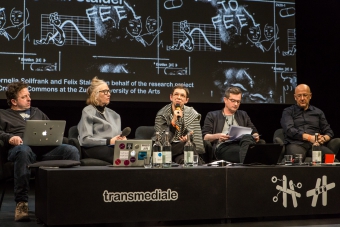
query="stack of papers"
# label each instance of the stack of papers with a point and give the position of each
(236, 132)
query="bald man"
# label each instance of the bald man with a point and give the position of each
(301, 121)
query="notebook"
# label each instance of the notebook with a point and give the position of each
(44, 132)
(131, 152)
(265, 154)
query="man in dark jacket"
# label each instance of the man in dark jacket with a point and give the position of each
(217, 124)
(301, 121)
(12, 127)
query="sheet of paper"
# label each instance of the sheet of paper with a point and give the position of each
(236, 132)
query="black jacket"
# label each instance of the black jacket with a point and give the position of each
(214, 122)
(12, 123)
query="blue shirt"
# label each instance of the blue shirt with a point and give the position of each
(295, 121)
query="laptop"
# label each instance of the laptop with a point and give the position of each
(263, 154)
(44, 132)
(131, 152)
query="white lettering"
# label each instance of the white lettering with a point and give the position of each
(156, 195)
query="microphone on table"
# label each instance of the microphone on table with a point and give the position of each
(126, 131)
(178, 108)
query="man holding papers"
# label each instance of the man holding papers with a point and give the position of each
(230, 130)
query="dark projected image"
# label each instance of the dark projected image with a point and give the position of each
(142, 48)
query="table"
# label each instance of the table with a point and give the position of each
(83, 195)
(260, 191)
(91, 195)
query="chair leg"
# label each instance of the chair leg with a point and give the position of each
(3, 194)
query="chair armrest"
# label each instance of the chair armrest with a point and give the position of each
(261, 141)
(65, 140)
(278, 140)
(75, 142)
(334, 145)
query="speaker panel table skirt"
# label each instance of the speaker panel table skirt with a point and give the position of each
(90, 195)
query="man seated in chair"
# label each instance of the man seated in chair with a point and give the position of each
(12, 127)
(301, 121)
(217, 124)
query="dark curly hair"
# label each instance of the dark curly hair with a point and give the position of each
(13, 89)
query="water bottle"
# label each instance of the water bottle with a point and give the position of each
(157, 158)
(166, 152)
(189, 151)
(316, 151)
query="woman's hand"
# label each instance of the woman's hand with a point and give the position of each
(113, 139)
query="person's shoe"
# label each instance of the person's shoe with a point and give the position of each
(21, 212)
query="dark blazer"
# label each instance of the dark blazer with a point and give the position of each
(214, 122)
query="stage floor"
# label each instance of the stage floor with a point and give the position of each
(8, 206)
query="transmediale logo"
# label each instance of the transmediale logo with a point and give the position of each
(154, 196)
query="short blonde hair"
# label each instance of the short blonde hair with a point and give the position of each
(92, 91)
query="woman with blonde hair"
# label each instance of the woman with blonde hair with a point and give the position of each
(99, 126)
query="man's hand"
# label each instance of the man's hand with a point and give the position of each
(309, 138)
(256, 137)
(222, 137)
(322, 139)
(15, 141)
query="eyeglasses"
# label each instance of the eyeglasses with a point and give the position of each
(105, 92)
(235, 101)
(180, 95)
(302, 95)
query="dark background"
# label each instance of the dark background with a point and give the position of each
(317, 25)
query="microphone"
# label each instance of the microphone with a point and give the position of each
(126, 131)
(178, 107)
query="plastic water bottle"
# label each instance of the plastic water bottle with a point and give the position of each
(189, 151)
(166, 152)
(157, 157)
(316, 151)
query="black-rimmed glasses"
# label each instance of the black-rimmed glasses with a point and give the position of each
(235, 101)
(105, 92)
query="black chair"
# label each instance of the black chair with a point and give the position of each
(73, 140)
(144, 132)
(278, 138)
(333, 144)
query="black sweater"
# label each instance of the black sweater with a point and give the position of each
(12, 123)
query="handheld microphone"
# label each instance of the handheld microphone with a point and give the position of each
(178, 108)
(126, 131)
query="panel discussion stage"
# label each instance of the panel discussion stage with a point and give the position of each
(91, 195)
